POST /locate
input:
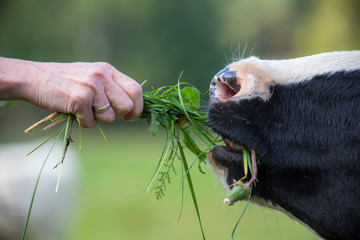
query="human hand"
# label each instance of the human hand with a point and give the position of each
(81, 88)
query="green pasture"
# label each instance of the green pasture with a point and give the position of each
(111, 208)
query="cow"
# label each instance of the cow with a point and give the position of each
(301, 117)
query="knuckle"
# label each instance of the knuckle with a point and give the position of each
(135, 90)
(93, 81)
(106, 118)
(139, 110)
(105, 65)
(86, 124)
(97, 74)
(98, 71)
(126, 107)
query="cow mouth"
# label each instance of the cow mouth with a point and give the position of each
(224, 158)
(227, 162)
(224, 153)
(232, 146)
(221, 156)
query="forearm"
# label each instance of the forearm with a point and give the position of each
(16, 77)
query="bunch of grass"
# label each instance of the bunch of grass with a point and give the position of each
(177, 109)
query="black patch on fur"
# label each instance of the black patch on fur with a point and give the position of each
(307, 138)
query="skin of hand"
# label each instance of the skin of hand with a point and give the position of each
(76, 88)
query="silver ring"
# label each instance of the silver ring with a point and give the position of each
(102, 109)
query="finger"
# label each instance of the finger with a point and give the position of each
(102, 108)
(132, 89)
(79, 103)
(136, 112)
(121, 103)
(138, 108)
(85, 116)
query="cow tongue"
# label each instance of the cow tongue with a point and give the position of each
(233, 146)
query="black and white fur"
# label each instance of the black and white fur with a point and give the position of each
(302, 117)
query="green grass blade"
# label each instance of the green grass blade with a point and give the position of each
(206, 133)
(245, 161)
(143, 83)
(63, 152)
(192, 191)
(242, 214)
(185, 175)
(37, 183)
(182, 102)
(101, 131)
(168, 146)
(65, 136)
(58, 180)
(185, 111)
(41, 144)
(249, 161)
(182, 192)
(78, 121)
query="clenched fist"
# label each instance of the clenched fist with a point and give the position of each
(90, 91)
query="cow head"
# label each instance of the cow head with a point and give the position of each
(301, 116)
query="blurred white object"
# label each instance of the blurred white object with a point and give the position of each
(18, 174)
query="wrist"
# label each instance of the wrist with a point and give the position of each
(17, 78)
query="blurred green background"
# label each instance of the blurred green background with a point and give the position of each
(155, 40)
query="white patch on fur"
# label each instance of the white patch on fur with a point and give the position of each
(304, 68)
(220, 173)
(257, 75)
(252, 82)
